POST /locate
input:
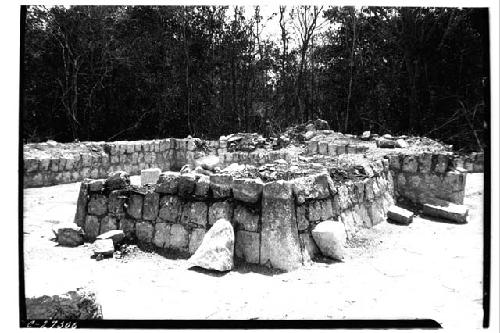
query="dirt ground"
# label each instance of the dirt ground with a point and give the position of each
(426, 270)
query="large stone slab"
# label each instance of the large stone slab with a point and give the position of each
(245, 218)
(280, 247)
(330, 237)
(446, 210)
(117, 236)
(400, 215)
(247, 246)
(220, 185)
(312, 187)
(247, 189)
(220, 210)
(168, 182)
(216, 251)
(69, 234)
(103, 246)
(150, 176)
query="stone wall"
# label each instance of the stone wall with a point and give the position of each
(421, 177)
(98, 159)
(272, 221)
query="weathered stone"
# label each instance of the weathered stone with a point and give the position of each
(117, 236)
(309, 248)
(394, 162)
(144, 232)
(247, 246)
(220, 185)
(312, 187)
(347, 219)
(360, 216)
(179, 237)
(320, 210)
(81, 204)
(330, 237)
(195, 239)
(246, 219)
(150, 176)
(108, 223)
(446, 210)
(170, 208)
(280, 247)
(209, 162)
(103, 246)
(96, 185)
(216, 251)
(312, 147)
(128, 227)
(151, 206)
(302, 221)
(425, 163)
(162, 235)
(376, 213)
(220, 210)
(369, 189)
(386, 143)
(202, 186)
(91, 228)
(116, 202)
(323, 148)
(118, 180)
(69, 234)
(400, 143)
(98, 205)
(194, 213)
(366, 135)
(400, 215)
(168, 182)
(134, 206)
(343, 194)
(410, 164)
(441, 163)
(187, 184)
(247, 189)
(73, 305)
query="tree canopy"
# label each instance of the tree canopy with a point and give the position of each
(143, 72)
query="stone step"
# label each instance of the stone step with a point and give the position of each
(446, 210)
(400, 215)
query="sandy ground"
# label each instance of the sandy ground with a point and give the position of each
(426, 270)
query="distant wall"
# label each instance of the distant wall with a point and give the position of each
(272, 221)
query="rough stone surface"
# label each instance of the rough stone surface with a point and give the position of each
(220, 185)
(187, 184)
(118, 180)
(73, 305)
(103, 246)
(144, 232)
(400, 215)
(96, 185)
(162, 235)
(151, 206)
(98, 205)
(108, 223)
(202, 186)
(311, 187)
(247, 190)
(195, 213)
(92, 225)
(150, 176)
(246, 219)
(320, 210)
(69, 234)
(216, 251)
(116, 202)
(179, 237)
(128, 227)
(220, 210)
(134, 206)
(168, 182)
(247, 246)
(195, 239)
(280, 247)
(302, 221)
(446, 210)
(310, 250)
(330, 237)
(170, 207)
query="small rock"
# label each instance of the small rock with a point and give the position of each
(117, 236)
(330, 237)
(366, 135)
(400, 143)
(68, 234)
(216, 251)
(103, 247)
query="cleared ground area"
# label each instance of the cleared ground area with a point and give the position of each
(428, 269)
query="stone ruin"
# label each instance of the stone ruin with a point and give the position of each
(287, 199)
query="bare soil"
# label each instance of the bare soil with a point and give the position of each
(428, 269)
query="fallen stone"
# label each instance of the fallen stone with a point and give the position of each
(117, 180)
(386, 143)
(400, 143)
(400, 215)
(330, 237)
(117, 236)
(366, 135)
(103, 247)
(68, 234)
(446, 210)
(216, 251)
(150, 176)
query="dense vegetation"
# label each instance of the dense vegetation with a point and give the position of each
(137, 72)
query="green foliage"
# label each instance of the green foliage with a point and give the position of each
(141, 72)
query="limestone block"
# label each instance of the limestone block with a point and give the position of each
(302, 221)
(330, 237)
(168, 182)
(245, 218)
(161, 235)
(98, 204)
(194, 213)
(68, 234)
(96, 185)
(312, 147)
(347, 219)
(425, 163)
(118, 180)
(309, 248)
(332, 149)
(400, 215)
(441, 163)
(280, 247)
(320, 210)
(170, 208)
(144, 232)
(134, 206)
(446, 210)
(116, 201)
(312, 187)
(202, 186)
(103, 247)
(150, 176)
(195, 239)
(369, 195)
(91, 227)
(410, 163)
(361, 217)
(247, 246)
(179, 237)
(247, 189)
(220, 210)
(323, 148)
(394, 162)
(117, 236)
(376, 212)
(151, 206)
(81, 204)
(220, 185)
(108, 223)
(187, 184)
(341, 149)
(128, 227)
